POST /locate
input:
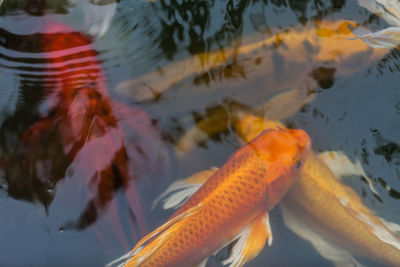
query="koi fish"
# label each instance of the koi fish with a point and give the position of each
(374, 238)
(233, 203)
(92, 128)
(300, 49)
(319, 208)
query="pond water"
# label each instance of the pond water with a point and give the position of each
(101, 105)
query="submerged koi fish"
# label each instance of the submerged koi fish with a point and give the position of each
(328, 213)
(300, 50)
(233, 203)
(322, 50)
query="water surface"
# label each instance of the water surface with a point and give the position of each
(162, 66)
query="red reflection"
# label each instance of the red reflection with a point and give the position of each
(104, 141)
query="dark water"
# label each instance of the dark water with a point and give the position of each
(82, 197)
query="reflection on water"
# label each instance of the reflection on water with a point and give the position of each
(388, 149)
(89, 111)
(36, 8)
(389, 62)
(321, 50)
(73, 128)
(391, 152)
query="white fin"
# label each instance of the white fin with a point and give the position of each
(177, 199)
(359, 32)
(386, 38)
(327, 249)
(341, 166)
(178, 192)
(251, 240)
(389, 10)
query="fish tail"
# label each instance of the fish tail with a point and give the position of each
(148, 246)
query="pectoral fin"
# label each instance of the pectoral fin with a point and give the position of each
(341, 166)
(178, 192)
(327, 249)
(251, 240)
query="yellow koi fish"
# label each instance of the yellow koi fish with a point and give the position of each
(233, 203)
(329, 214)
(301, 48)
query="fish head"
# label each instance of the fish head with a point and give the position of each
(283, 152)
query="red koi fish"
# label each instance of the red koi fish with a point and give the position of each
(233, 203)
(91, 126)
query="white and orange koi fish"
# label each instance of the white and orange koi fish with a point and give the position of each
(232, 204)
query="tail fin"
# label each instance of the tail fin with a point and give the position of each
(153, 241)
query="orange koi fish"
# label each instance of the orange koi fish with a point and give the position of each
(233, 203)
(91, 125)
(329, 214)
